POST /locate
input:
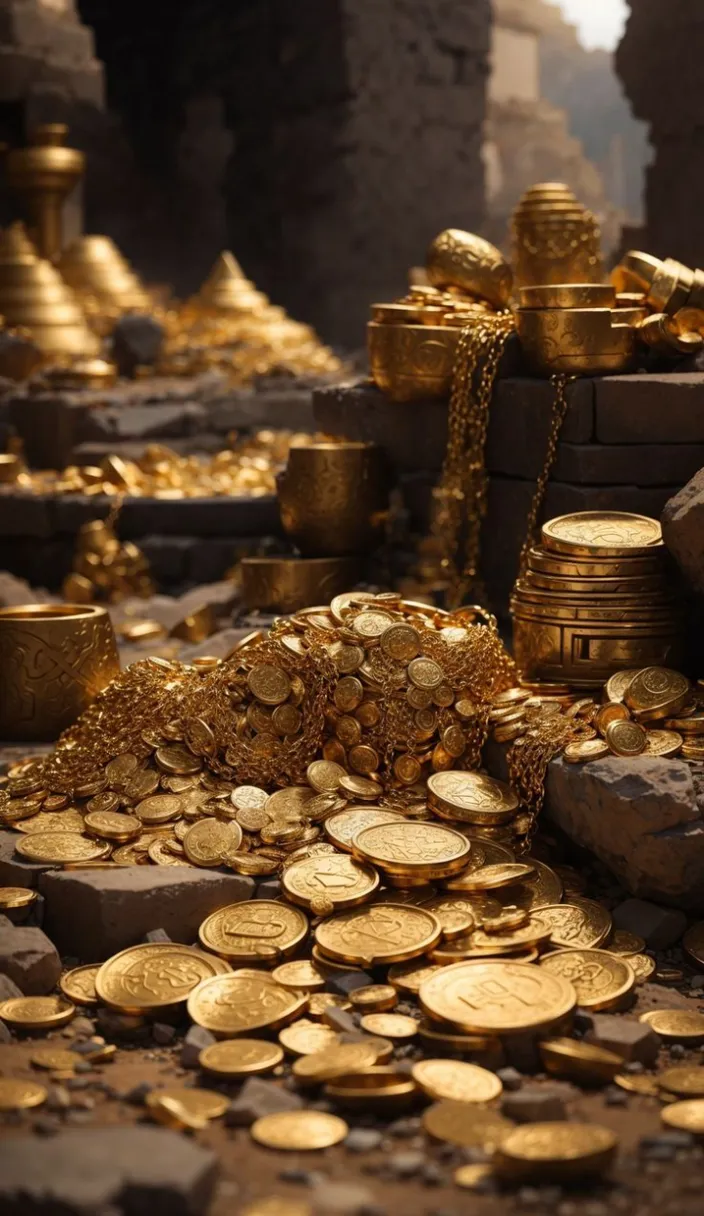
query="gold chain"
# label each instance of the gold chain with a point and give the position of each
(547, 735)
(560, 403)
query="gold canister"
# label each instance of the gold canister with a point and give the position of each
(334, 497)
(555, 238)
(579, 341)
(465, 260)
(55, 660)
(412, 362)
(287, 584)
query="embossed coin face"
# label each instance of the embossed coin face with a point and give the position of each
(79, 984)
(582, 750)
(535, 893)
(626, 738)
(301, 975)
(617, 684)
(336, 877)
(471, 798)
(496, 997)
(344, 826)
(623, 942)
(656, 691)
(642, 965)
(209, 842)
(37, 1012)
(159, 808)
(299, 1130)
(428, 849)
(69, 820)
(324, 776)
(112, 826)
(456, 915)
(242, 1002)
(152, 976)
(20, 1095)
(258, 929)
(17, 897)
(240, 1057)
(608, 533)
(390, 1025)
(677, 1025)
(580, 924)
(269, 684)
(61, 847)
(601, 980)
(570, 1149)
(305, 1037)
(687, 1082)
(53, 1058)
(662, 743)
(382, 933)
(455, 1080)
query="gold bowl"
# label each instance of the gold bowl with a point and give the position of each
(412, 362)
(287, 584)
(334, 497)
(55, 659)
(579, 341)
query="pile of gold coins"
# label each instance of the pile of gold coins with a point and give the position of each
(594, 597)
(106, 568)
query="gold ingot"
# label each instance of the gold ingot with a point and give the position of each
(555, 239)
(575, 341)
(568, 295)
(334, 498)
(44, 174)
(94, 266)
(33, 295)
(462, 259)
(412, 362)
(287, 584)
(56, 658)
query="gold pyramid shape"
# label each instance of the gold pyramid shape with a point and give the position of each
(227, 289)
(93, 266)
(33, 295)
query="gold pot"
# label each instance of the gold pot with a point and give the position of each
(55, 660)
(464, 260)
(412, 362)
(580, 341)
(287, 584)
(334, 497)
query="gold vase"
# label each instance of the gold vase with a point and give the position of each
(44, 174)
(33, 295)
(334, 498)
(55, 659)
(555, 238)
(287, 584)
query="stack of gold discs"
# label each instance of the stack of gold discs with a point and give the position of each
(555, 238)
(595, 598)
(674, 297)
(577, 328)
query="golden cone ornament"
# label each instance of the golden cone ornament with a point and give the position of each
(33, 295)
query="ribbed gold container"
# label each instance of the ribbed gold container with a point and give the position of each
(555, 238)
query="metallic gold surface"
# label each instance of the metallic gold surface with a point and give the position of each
(412, 362)
(582, 341)
(464, 260)
(287, 584)
(33, 295)
(333, 497)
(555, 239)
(44, 174)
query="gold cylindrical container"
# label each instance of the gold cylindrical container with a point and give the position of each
(462, 259)
(412, 362)
(286, 584)
(575, 341)
(555, 238)
(334, 497)
(55, 659)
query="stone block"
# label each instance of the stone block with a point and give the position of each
(290, 407)
(94, 913)
(28, 958)
(660, 927)
(149, 423)
(640, 818)
(26, 515)
(536, 1104)
(14, 870)
(258, 1098)
(633, 1041)
(657, 408)
(683, 530)
(109, 1169)
(136, 340)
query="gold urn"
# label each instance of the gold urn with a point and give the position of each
(44, 174)
(555, 238)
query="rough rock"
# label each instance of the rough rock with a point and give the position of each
(633, 1041)
(683, 530)
(657, 996)
(536, 1104)
(8, 989)
(28, 958)
(92, 914)
(196, 1039)
(362, 1139)
(136, 339)
(641, 819)
(14, 871)
(344, 1199)
(661, 927)
(258, 1098)
(130, 1170)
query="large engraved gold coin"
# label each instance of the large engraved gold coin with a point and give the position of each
(257, 929)
(456, 1081)
(37, 1012)
(429, 850)
(657, 692)
(582, 923)
(79, 984)
(466, 1124)
(558, 1151)
(61, 847)
(342, 827)
(20, 1095)
(492, 997)
(534, 893)
(209, 842)
(601, 980)
(240, 1057)
(299, 1130)
(606, 533)
(237, 1004)
(153, 976)
(380, 934)
(471, 798)
(336, 877)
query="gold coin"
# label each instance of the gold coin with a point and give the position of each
(473, 1177)
(555, 1150)
(390, 1025)
(342, 604)
(119, 770)
(144, 782)
(580, 751)
(79, 984)
(455, 914)
(209, 842)
(344, 826)
(400, 642)
(69, 820)
(425, 673)
(582, 924)
(465, 1124)
(290, 801)
(677, 1025)
(159, 808)
(407, 769)
(685, 1116)
(408, 977)
(305, 1038)
(346, 657)
(200, 1103)
(379, 934)
(580, 1061)
(161, 853)
(686, 1082)
(174, 758)
(602, 534)
(496, 997)
(152, 976)
(241, 1002)
(257, 929)
(535, 932)
(657, 692)
(37, 1012)
(20, 1095)
(17, 897)
(471, 798)
(112, 826)
(324, 776)
(693, 943)
(379, 1088)
(456, 1081)
(299, 1130)
(491, 878)
(616, 685)
(349, 693)
(536, 893)
(269, 684)
(301, 975)
(662, 743)
(637, 1084)
(601, 980)
(642, 966)
(611, 711)
(626, 738)
(249, 798)
(240, 1057)
(430, 850)
(374, 998)
(336, 877)
(507, 919)
(61, 847)
(371, 624)
(336, 1061)
(55, 1058)
(351, 784)
(623, 942)
(364, 759)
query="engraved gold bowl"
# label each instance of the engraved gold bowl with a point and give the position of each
(576, 341)
(55, 659)
(412, 362)
(334, 497)
(286, 584)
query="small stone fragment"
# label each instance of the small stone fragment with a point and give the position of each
(660, 927)
(362, 1140)
(535, 1104)
(510, 1078)
(633, 1041)
(154, 936)
(405, 1165)
(258, 1098)
(344, 1199)
(194, 1042)
(29, 959)
(269, 889)
(344, 982)
(339, 1019)
(163, 1034)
